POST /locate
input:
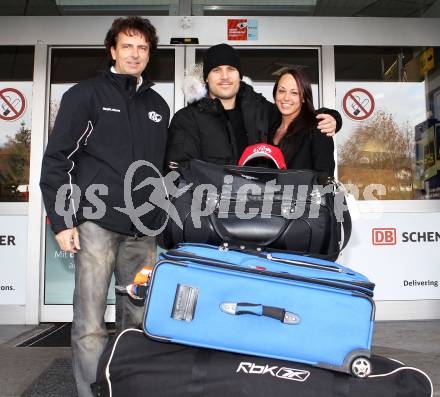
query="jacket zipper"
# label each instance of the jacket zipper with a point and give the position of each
(129, 103)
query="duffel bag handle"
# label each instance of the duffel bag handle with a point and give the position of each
(224, 234)
(256, 309)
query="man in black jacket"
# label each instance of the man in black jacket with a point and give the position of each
(103, 127)
(218, 126)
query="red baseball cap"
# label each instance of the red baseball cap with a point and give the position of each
(263, 150)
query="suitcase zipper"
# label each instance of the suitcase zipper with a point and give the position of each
(363, 284)
(280, 260)
(303, 264)
(340, 284)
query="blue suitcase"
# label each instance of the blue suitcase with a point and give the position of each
(276, 305)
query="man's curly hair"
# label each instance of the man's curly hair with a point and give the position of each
(131, 26)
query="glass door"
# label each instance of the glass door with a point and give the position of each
(68, 66)
(16, 89)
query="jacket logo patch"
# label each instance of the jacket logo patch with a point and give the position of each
(156, 117)
(111, 110)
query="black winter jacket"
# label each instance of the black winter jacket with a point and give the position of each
(314, 151)
(102, 127)
(202, 130)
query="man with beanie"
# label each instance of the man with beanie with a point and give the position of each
(218, 126)
(103, 126)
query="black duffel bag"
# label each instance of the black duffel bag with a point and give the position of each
(137, 366)
(296, 210)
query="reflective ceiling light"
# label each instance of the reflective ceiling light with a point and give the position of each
(106, 3)
(107, 6)
(250, 7)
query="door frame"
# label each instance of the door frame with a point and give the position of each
(43, 32)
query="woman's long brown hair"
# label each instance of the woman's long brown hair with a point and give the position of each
(305, 122)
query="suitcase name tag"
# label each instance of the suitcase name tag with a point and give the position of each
(260, 310)
(185, 302)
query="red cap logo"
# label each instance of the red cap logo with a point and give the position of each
(263, 150)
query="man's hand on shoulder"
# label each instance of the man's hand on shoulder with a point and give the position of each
(326, 124)
(68, 240)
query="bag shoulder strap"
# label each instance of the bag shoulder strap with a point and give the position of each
(346, 227)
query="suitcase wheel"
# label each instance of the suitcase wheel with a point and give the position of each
(361, 367)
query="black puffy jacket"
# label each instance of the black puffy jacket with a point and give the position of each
(104, 125)
(202, 130)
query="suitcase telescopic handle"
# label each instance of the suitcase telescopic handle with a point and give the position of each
(260, 310)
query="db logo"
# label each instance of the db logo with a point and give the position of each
(384, 236)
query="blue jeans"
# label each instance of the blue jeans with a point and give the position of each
(103, 253)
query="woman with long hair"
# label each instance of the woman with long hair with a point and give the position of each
(303, 146)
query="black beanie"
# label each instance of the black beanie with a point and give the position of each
(221, 54)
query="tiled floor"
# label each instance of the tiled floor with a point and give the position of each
(417, 343)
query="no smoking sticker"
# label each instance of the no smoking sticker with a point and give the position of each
(12, 104)
(358, 104)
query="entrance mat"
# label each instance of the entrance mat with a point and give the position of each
(56, 381)
(57, 336)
